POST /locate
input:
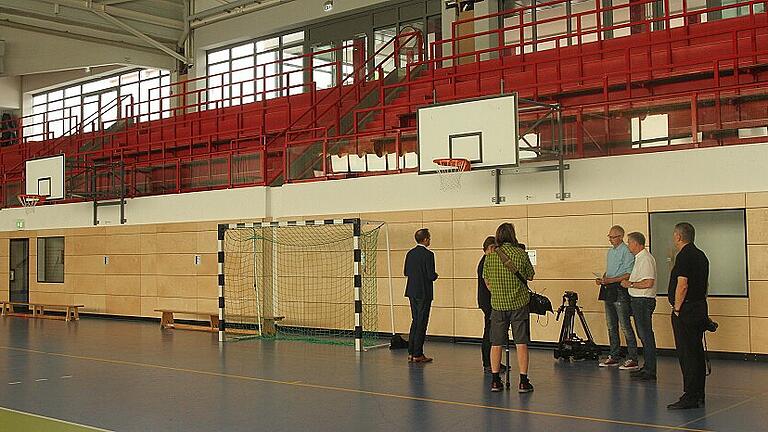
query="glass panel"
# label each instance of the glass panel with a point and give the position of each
(293, 73)
(293, 37)
(323, 69)
(39, 99)
(72, 91)
(267, 44)
(381, 39)
(242, 50)
(267, 71)
(218, 56)
(434, 33)
(50, 260)
(55, 95)
(721, 234)
(129, 78)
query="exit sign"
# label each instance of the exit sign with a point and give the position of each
(20, 223)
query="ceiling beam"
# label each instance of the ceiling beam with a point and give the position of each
(231, 10)
(114, 11)
(73, 24)
(66, 31)
(143, 37)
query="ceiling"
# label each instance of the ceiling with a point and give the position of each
(151, 24)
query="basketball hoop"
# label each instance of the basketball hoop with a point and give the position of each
(450, 171)
(29, 202)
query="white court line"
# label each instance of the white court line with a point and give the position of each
(41, 379)
(14, 383)
(66, 377)
(54, 420)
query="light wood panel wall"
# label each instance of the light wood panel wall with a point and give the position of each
(152, 266)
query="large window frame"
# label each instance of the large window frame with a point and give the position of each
(48, 272)
(655, 242)
(56, 112)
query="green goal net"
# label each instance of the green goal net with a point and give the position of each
(308, 281)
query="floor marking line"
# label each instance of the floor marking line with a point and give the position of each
(94, 428)
(363, 392)
(14, 383)
(41, 379)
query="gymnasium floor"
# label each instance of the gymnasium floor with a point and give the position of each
(131, 376)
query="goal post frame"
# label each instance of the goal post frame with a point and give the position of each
(357, 252)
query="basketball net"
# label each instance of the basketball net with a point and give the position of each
(450, 171)
(29, 202)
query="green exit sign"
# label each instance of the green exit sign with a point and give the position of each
(20, 223)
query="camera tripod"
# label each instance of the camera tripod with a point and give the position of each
(571, 346)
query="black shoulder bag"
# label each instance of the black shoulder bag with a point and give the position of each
(539, 303)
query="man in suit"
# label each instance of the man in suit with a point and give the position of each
(420, 271)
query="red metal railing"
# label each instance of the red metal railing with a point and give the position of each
(575, 66)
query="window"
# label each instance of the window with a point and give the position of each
(50, 259)
(256, 70)
(721, 234)
(650, 131)
(93, 103)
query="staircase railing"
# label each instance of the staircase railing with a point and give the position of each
(375, 73)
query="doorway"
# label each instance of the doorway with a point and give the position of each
(19, 273)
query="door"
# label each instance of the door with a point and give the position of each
(19, 273)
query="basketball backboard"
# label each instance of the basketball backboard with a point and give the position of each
(45, 176)
(483, 131)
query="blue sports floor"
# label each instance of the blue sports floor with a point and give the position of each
(131, 376)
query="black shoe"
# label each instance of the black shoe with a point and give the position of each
(525, 387)
(637, 373)
(685, 403)
(497, 386)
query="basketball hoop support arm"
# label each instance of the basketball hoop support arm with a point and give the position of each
(556, 124)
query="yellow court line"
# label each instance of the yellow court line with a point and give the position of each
(365, 392)
(55, 420)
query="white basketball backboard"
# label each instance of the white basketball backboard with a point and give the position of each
(484, 131)
(45, 176)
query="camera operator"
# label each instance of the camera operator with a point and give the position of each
(688, 296)
(509, 300)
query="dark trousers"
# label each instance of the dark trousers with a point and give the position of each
(642, 310)
(419, 320)
(486, 346)
(688, 328)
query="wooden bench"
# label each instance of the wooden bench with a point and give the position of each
(71, 311)
(167, 322)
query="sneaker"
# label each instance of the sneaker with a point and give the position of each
(630, 365)
(525, 387)
(609, 362)
(497, 386)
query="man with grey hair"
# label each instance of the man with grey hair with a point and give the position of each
(642, 292)
(616, 298)
(688, 283)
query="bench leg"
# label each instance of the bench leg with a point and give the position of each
(69, 312)
(40, 312)
(167, 320)
(215, 323)
(76, 314)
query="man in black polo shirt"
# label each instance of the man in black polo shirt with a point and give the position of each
(688, 297)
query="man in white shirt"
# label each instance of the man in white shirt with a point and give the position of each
(642, 292)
